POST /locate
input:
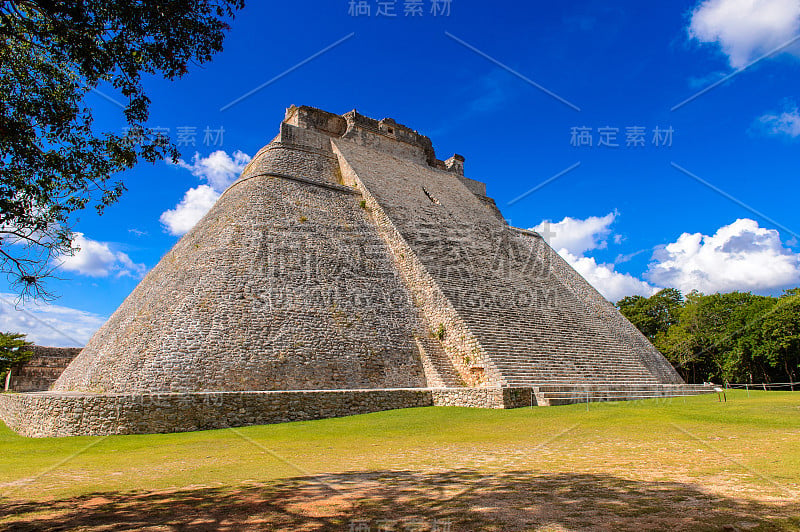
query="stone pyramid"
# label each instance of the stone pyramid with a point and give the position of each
(348, 257)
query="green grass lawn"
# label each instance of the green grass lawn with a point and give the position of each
(683, 463)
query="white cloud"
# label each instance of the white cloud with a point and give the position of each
(786, 123)
(573, 237)
(740, 256)
(612, 284)
(219, 170)
(745, 29)
(50, 325)
(577, 236)
(194, 205)
(97, 259)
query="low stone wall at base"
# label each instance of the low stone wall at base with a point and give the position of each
(49, 414)
(471, 397)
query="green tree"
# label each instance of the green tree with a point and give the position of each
(726, 330)
(655, 314)
(680, 346)
(781, 333)
(743, 358)
(53, 161)
(689, 344)
(13, 350)
(733, 337)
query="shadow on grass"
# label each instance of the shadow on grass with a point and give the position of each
(406, 500)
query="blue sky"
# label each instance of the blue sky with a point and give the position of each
(626, 216)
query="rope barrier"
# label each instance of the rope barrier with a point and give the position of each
(763, 384)
(582, 396)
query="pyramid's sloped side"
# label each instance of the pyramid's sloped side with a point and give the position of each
(603, 308)
(533, 326)
(283, 285)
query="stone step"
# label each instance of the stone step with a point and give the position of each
(438, 368)
(576, 393)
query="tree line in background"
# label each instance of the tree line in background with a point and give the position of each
(737, 337)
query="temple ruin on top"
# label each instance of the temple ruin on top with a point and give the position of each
(347, 270)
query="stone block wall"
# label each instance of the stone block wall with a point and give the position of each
(284, 284)
(54, 414)
(42, 369)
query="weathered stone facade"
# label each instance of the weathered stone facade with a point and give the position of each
(41, 370)
(347, 256)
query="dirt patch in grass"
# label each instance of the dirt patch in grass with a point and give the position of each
(410, 500)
